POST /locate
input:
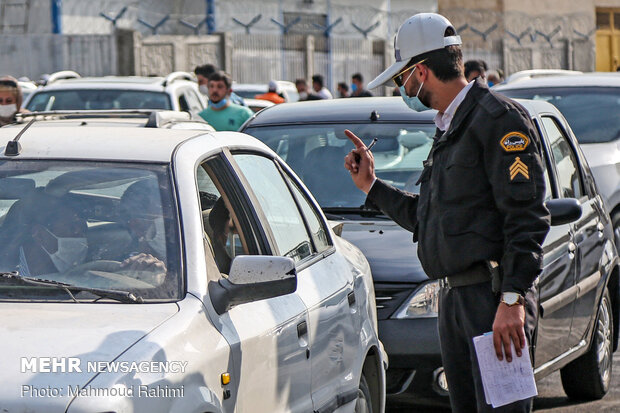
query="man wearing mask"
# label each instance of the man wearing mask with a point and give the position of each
(302, 89)
(479, 228)
(55, 238)
(10, 99)
(221, 113)
(202, 75)
(357, 87)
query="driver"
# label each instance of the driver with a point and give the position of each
(141, 205)
(54, 242)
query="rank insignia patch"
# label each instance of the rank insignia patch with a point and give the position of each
(519, 168)
(514, 142)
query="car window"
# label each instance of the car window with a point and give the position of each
(565, 160)
(219, 220)
(278, 205)
(183, 106)
(97, 99)
(315, 223)
(316, 153)
(104, 225)
(592, 112)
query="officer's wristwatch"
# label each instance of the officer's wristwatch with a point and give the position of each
(511, 299)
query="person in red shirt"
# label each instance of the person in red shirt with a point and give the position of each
(272, 95)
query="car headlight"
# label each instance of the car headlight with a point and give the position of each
(423, 303)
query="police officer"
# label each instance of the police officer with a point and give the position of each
(479, 219)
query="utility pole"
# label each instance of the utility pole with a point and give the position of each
(56, 16)
(210, 16)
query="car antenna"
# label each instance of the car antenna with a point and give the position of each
(13, 148)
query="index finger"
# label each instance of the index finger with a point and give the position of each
(356, 141)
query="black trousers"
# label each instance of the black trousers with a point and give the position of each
(466, 312)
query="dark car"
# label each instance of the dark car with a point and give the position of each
(577, 330)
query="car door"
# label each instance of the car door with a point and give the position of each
(588, 229)
(325, 279)
(267, 337)
(557, 280)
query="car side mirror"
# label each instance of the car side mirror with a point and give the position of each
(253, 278)
(564, 211)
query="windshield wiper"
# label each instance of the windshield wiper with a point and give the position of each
(118, 295)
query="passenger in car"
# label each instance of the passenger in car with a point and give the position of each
(52, 239)
(222, 226)
(141, 206)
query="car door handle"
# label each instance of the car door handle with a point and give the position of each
(302, 334)
(351, 299)
(302, 329)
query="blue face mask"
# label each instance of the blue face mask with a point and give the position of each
(413, 102)
(218, 105)
(353, 87)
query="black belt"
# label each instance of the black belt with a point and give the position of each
(476, 274)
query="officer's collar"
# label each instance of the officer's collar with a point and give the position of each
(465, 107)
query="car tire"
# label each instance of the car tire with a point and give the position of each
(588, 377)
(363, 404)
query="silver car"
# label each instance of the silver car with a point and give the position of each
(158, 270)
(591, 104)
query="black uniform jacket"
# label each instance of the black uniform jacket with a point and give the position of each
(481, 194)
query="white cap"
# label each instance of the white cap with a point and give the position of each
(273, 85)
(421, 33)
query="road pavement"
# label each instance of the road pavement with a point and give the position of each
(552, 399)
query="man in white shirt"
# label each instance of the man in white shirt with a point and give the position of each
(318, 84)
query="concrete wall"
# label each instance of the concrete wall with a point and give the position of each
(519, 34)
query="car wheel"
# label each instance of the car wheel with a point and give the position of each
(364, 399)
(589, 376)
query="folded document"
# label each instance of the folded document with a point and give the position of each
(504, 382)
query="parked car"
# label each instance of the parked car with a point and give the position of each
(157, 270)
(178, 91)
(250, 90)
(538, 73)
(578, 289)
(591, 104)
(257, 104)
(140, 118)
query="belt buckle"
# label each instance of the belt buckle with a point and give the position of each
(443, 283)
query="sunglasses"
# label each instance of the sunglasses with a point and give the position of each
(398, 79)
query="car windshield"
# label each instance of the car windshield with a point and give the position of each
(592, 112)
(316, 153)
(95, 225)
(97, 99)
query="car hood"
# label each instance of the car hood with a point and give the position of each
(89, 332)
(389, 249)
(600, 154)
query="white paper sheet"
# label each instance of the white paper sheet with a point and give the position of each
(504, 382)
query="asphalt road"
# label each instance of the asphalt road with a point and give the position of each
(551, 397)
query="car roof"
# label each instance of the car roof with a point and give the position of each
(113, 82)
(48, 141)
(595, 79)
(535, 107)
(388, 109)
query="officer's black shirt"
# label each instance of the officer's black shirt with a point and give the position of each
(481, 193)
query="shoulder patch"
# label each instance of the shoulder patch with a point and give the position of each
(519, 168)
(514, 142)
